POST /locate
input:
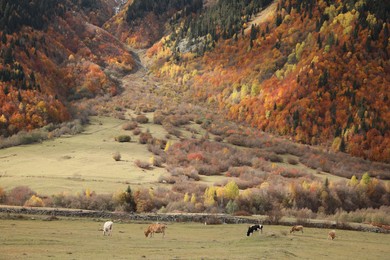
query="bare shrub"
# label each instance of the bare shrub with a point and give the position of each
(245, 141)
(303, 215)
(159, 142)
(172, 130)
(116, 156)
(377, 217)
(119, 115)
(155, 149)
(244, 184)
(190, 172)
(292, 173)
(218, 138)
(184, 185)
(71, 128)
(241, 158)
(198, 121)
(143, 164)
(145, 138)
(270, 156)
(237, 171)
(147, 108)
(317, 161)
(292, 161)
(137, 131)
(217, 130)
(191, 130)
(261, 164)
(123, 138)
(167, 178)
(141, 119)
(18, 195)
(278, 149)
(129, 126)
(3, 195)
(158, 118)
(24, 137)
(101, 202)
(179, 120)
(157, 161)
(275, 215)
(208, 170)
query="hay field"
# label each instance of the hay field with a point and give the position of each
(81, 239)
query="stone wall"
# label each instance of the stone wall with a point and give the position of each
(54, 213)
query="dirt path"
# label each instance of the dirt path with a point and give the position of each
(262, 16)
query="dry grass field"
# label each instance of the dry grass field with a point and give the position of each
(81, 239)
(73, 163)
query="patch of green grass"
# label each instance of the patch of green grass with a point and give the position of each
(81, 239)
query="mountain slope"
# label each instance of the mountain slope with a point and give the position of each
(316, 71)
(52, 54)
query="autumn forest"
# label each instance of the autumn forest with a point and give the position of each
(261, 106)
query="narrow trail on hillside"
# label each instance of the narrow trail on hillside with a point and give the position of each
(141, 87)
(263, 16)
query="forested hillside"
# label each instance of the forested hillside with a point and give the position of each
(143, 22)
(51, 53)
(317, 71)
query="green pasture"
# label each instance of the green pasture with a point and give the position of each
(81, 239)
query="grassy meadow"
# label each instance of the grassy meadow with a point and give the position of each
(85, 161)
(81, 239)
(71, 164)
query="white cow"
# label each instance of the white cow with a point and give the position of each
(107, 228)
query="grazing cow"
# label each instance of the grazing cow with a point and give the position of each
(107, 228)
(155, 228)
(254, 228)
(296, 228)
(332, 234)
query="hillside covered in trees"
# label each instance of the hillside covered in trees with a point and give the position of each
(316, 71)
(52, 53)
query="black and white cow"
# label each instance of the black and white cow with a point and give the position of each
(254, 228)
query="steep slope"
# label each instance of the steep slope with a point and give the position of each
(316, 71)
(141, 23)
(53, 52)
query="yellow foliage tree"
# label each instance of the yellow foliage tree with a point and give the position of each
(366, 179)
(193, 198)
(354, 181)
(186, 197)
(88, 193)
(231, 190)
(209, 196)
(34, 201)
(167, 146)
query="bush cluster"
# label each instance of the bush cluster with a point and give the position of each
(123, 138)
(142, 119)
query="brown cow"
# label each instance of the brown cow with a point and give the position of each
(296, 228)
(155, 228)
(332, 234)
